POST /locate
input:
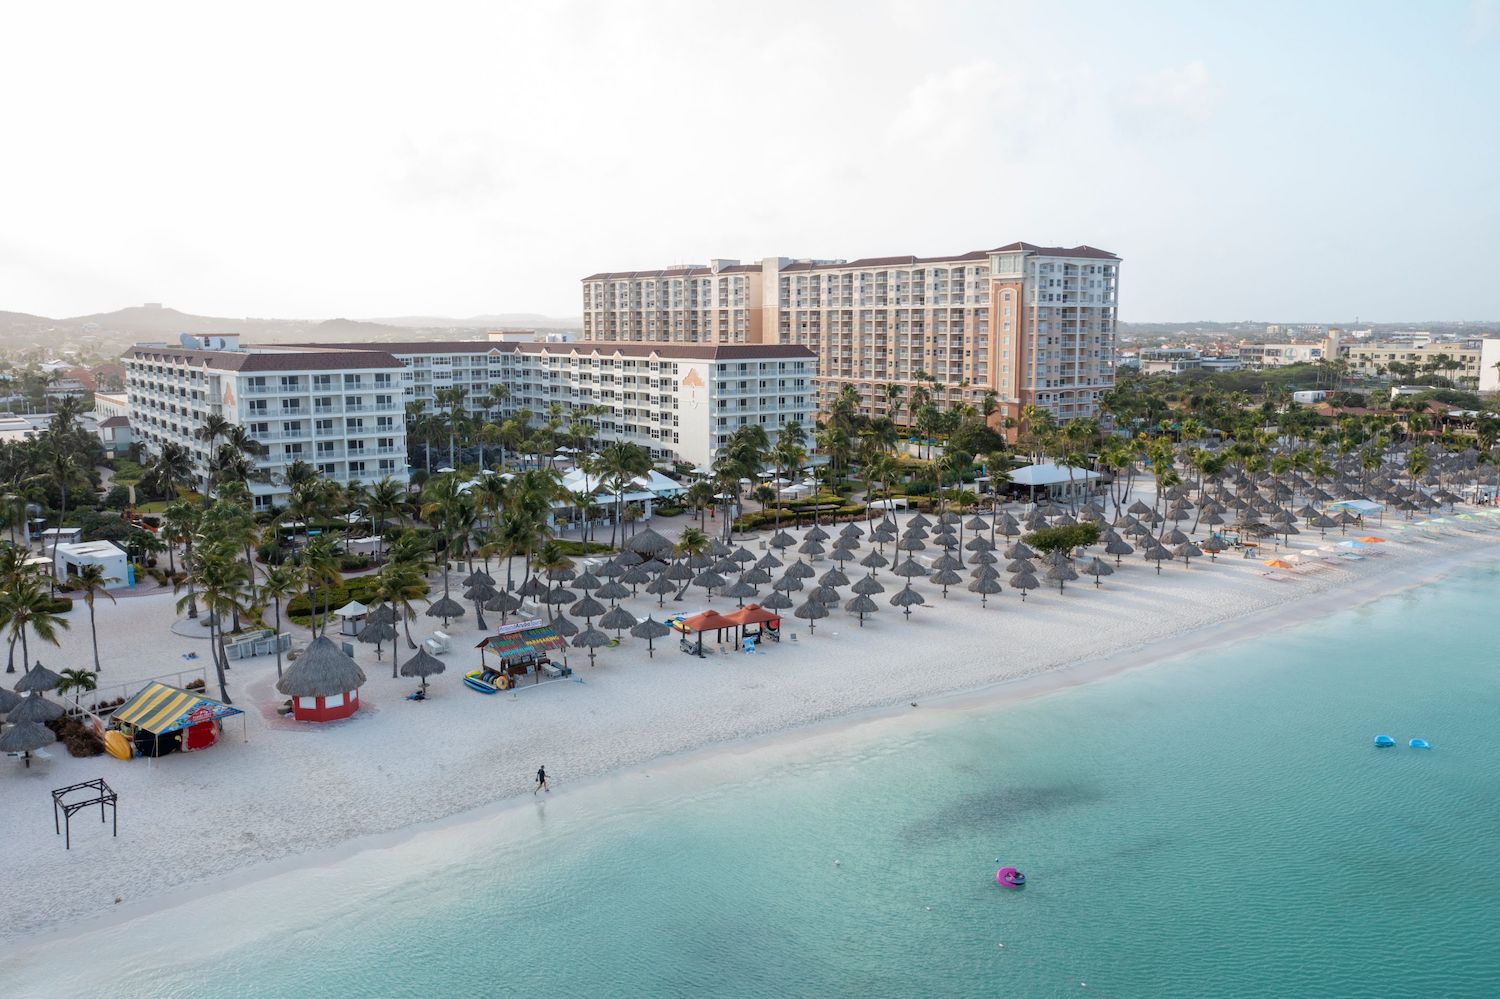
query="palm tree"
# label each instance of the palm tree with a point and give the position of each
(621, 462)
(404, 579)
(171, 467)
(25, 603)
(690, 542)
(699, 496)
(320, 559)
(550, 559)
(789, 456)
(80, 680)
(179, 522)
(211, 429)
(278, 583)
(400, 584)
(220, 578)
(386, 498)
(891, 391)
(62, 468)
(91, 580)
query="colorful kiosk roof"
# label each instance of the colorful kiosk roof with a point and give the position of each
(160, 709)
(524, 638)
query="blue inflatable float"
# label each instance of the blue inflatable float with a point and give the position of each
(1420, 744)
(1384, 741)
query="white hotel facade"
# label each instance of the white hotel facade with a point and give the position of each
(678, 401)
(341, 407)
(340, 411)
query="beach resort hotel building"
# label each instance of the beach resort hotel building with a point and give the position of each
(341, 407)
(679, 401)
(338, 410)
(1029, 325)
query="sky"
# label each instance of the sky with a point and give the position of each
(1278, 161)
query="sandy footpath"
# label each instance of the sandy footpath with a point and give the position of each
(294, 787)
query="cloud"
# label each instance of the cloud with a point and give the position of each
(462, 169)
(947, 110)
(1175, 100)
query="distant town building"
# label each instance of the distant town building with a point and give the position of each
(1460, 363)
(1256, 356)
(1168, 360)
(1022, 324)
(1278, 331)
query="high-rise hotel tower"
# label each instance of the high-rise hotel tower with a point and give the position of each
(1034, 325)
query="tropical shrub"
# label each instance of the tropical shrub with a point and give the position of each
(1063, 538)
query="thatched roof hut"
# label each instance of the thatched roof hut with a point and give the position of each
(323, 683)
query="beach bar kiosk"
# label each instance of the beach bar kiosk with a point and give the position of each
(323, 683)
(163, 719)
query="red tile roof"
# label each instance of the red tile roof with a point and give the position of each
(1088, 252)
(322, 357)
(710, 351)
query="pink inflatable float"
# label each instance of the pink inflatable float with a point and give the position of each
(1009, 877)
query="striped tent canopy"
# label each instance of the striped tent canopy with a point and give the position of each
(524, 638)
(160, 709)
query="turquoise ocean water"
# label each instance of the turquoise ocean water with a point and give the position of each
(1218, 825)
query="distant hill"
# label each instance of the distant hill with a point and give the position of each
(525, 320)
(151, 320)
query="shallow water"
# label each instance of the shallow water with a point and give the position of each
(1219, 825)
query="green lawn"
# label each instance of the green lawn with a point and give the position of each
(158, 506)
(128, 472)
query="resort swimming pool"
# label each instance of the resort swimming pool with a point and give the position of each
(1215, 825)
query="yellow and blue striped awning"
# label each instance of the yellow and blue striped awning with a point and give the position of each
(160, 709)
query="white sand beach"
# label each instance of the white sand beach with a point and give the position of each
(286, 787)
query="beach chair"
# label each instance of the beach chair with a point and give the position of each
(439, 643)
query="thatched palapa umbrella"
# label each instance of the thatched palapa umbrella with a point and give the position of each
(811, 610)
(906, 598)
(946, 578)
(984, 586)
(38, 677)
(1098, 567)
(778, 600)
(587, 607)
(1024, 581)
(650, 629)
(422, 665)
(740, 589)
(648, 543)
(35, 708)
(613, 590)
(25, 738)
(1060, 573)
(1187, 551)
(617, 619)
(590, 638)
(445, 607)
(861, 604)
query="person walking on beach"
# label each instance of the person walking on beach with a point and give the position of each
(541, 781)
